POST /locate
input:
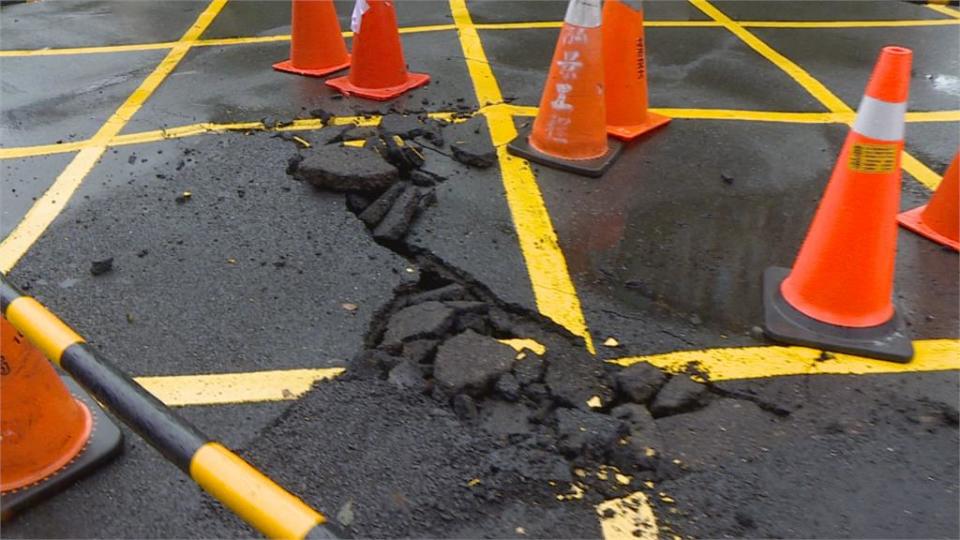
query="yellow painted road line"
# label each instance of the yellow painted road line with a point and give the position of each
(105, 49)
(799, 25)
(761, 362)
(920, 172)
(933, 116)
(553, 287)
(796, 25)
(722, 364)
(628, 518)
(729, 114)
(834, 104)
(946, 10)
(201, 128)
(249, 40)
(223, 388)
(534, 25)
(213, 42)
(53, 201)
(204, 128)
(44, 149)
(804, 79)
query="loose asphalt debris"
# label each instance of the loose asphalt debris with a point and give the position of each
(566, 424)
(101, 266)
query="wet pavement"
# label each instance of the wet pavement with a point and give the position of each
(255, 271)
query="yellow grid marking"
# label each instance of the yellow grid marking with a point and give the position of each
(818, 90)
(720, 364)
(946, 10)
(848, 24)
(202, 128)
(526, 202)
(211, 42)
(99, 49)
(196, 42)
(766, 116)
(553, 288)
(761, 362)
(628, 518)
(224, 388)
(52, 202)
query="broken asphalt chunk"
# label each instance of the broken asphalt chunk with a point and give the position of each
(588, 432)
(465, 407)
(453, 291)
(427, 320)
(407, 376)
(470, 362)
(323, 115)
(639, 382)
(529, 369)
(475, 153)
(372, 364)
(375, 212)
(395, 224)
(405, 126)
(680, 394)
(401, 155)
(343, 168)
(508, 387)
(101, 266)
(575, 377)
(357, 202)
(424, 178)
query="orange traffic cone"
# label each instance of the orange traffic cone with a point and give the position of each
(625, 67)
(48, 439)
(316, 44)
(570, 132)
(838, 295)
(939, 219)
(379, 71)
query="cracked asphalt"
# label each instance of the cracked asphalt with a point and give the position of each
(225, 263)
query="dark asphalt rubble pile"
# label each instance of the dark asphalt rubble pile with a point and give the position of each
(389, 180)
(548, 418)
(441, 339)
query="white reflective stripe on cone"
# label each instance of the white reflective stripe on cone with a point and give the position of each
(583, 13)
(356, 18)
(880, 119)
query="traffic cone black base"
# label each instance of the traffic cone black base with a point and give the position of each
(593, 168)
(104, 443)
(782, 322)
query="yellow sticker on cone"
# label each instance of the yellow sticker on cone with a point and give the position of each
(873, 158)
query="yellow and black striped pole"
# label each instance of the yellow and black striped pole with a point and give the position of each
(243, 489)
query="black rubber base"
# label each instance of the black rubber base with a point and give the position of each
(593, 168)
(782, 322)
(105, 443)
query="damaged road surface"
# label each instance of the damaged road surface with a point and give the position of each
(373, 274)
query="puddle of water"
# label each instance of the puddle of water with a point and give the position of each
(948, 84)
